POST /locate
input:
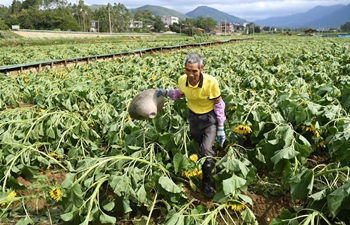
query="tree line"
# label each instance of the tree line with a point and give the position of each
(62, 15)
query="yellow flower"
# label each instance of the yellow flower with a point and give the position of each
(153, 77)
(54, 155)
(321, 144)
(236, 206)
(233, 108)
(11, 195)
(194, 173)
(56, 194)
(194, 157)
(312, 129)
(128, 119)
(26, 80)
(243, 129)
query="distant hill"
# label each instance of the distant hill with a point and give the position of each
(318, 17)
(334, 19)
(160, 11)
(205, 11)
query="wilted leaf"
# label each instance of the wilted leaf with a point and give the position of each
(169, 185)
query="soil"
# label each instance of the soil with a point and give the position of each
(264, 208)
(33, 188)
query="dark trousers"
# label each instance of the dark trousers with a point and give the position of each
(203, 131)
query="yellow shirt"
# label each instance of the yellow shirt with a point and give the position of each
(200, 98)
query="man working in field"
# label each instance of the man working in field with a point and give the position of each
(206, 112)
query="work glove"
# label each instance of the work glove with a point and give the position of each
(163, 92)
(220, 135)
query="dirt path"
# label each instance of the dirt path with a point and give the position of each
(68, 34)
(32, 34)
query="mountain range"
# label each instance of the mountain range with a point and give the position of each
(317, 18)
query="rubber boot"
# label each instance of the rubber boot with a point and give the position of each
(207, 189)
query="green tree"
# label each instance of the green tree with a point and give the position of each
(345, 27)
(53, 4)
(15, 7)
(31, 4)
(101, 15)
(3, 25)
(188, 25)
(176, 27)
(158, 24)
(120, 17)
(206, 23)
(253, 28)
(62, 19)
(24, 19)
(82, 14)
(4, 16)
(145, 16)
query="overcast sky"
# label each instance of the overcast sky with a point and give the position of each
(245, 9)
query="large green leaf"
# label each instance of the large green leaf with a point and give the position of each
(121, 184)
(106, 219)
(237, 166)
(169, 185)
(176, 219)
(233, 183)
(286, 153)
(302, 184)
(339, 199)
(178, 162)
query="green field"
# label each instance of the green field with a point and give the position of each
(70, 153)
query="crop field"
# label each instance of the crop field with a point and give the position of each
(39, 49)
(71, 154)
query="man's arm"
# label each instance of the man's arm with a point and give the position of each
(172, 93)
(219, 109)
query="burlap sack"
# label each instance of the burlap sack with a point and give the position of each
(146, 105)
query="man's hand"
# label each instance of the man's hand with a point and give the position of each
(220, 135)
(163, 92)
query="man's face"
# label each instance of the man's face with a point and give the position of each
(193, 72)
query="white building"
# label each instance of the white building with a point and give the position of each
(135, 24)
(170, 20)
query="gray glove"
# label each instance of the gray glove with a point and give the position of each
(220, 135)
(163, 92)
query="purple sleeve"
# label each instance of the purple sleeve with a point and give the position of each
(175, 94)
(219, 109)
